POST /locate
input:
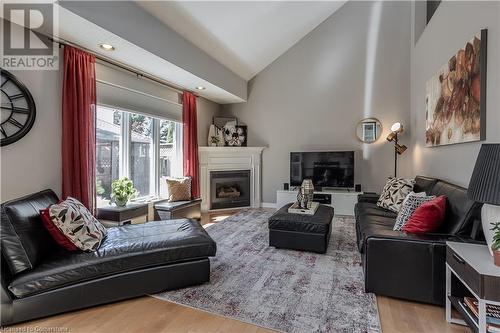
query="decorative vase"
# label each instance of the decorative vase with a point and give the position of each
(489, 215)
(496, 257)
(121, 202)
(220, 134)
(211, 133)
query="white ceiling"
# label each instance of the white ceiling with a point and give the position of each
(79, 31)
(244, 36)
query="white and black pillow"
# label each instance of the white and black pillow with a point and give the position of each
(394, 193)
(76, 222)
(410, 204)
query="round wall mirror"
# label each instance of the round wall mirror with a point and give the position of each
(369, 130)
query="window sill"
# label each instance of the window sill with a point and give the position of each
(148, 200)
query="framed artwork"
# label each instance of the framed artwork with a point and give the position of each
(456, 97)
(235, 136)
(221, 122)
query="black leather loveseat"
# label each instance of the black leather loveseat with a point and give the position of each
(410, 266)
(39, 278)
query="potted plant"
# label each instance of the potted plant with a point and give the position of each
(495, 245)
(122, 190)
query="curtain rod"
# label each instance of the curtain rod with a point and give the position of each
(139, 73)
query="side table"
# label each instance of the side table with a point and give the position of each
(190, 209)
(132, 213)
(470, 272)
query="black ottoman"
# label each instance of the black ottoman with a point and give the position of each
(301, 232)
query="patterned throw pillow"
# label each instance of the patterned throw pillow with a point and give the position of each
(410, 204)
(75, 221)
(394, 193)
(179, 189)
(54, 231)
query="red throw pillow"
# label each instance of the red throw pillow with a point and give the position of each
(427, 217)
(55, 232)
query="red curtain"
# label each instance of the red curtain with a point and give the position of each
(78, 126)
(190, 142)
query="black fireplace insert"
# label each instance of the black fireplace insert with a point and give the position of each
(229, 189)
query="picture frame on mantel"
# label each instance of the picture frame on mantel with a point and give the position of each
(220, 122)
(456, 96)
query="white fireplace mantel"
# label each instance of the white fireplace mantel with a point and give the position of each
(230, 158)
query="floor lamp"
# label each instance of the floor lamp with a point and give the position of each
(396, 128)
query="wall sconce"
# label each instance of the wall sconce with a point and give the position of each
(396, 128)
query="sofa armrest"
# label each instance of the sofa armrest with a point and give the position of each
(408, 268)
(368, 197)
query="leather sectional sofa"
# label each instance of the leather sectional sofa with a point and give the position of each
(410, 266)
(133, 260)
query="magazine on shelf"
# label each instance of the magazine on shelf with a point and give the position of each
(493, 328)
(492, 311)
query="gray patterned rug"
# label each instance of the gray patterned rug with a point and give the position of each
(285, 290)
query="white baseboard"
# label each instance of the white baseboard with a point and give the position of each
(268, 205)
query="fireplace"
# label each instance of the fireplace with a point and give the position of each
(229, 189)
(228, 160)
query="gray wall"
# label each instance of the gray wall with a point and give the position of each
(34, 162)
(452, 25)
(355, 64)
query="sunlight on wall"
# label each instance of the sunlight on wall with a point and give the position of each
(371, 56)
(417, 156)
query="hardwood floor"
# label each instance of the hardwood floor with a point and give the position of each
(144, 314)
(404, 316)
(148, 314)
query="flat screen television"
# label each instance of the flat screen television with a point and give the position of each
(333, 169)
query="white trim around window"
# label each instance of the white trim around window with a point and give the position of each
(170, 153)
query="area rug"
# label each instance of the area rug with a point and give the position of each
(284, 290)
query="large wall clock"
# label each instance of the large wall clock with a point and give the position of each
(18, 109)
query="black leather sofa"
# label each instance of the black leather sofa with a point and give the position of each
(410, 266)
(39, 278)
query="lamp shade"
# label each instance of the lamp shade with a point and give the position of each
(397, 128)
(484, 184)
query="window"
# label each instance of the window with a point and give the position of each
(142, 148)
(170, 153)
(142, 154)
(108, 137)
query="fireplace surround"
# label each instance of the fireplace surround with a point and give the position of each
(237, 169)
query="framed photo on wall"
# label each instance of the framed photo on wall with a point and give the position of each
(456, 97)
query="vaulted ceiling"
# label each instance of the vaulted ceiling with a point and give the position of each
(218, 45)
(244, 36)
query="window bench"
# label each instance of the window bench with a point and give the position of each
(166, 210)
(132, 213)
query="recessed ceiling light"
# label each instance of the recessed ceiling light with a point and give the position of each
(200, 88)
(107, 47)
